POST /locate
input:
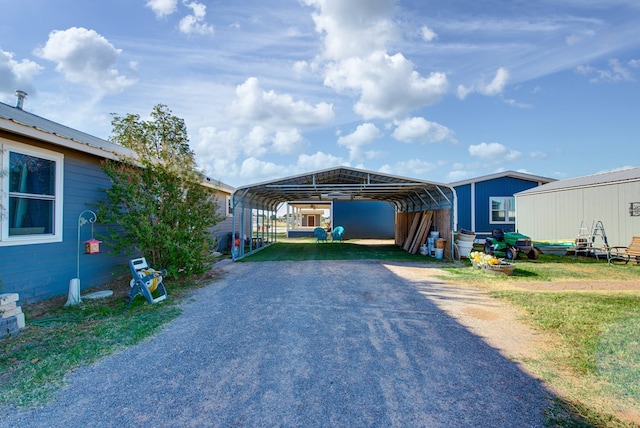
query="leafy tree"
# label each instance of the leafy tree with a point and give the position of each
(158, 197)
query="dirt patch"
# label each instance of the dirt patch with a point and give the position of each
(496, 322)
(481, 314)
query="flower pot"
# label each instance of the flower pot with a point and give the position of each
(503, 268)
(464, 248)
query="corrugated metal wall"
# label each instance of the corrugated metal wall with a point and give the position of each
(557, 215)
(365, 219)
(464, 206)
(498, 187)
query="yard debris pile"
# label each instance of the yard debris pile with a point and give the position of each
(413, 228)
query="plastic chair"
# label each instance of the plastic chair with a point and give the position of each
(321, 234)
(146, 281)
(336, 234)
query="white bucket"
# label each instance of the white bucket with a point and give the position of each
(439, 252)
(431, 243)
(465, 237)
(435, 234)
(464, 248)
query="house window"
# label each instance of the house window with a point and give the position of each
(229, 207)
(503, 210)
(31, 195)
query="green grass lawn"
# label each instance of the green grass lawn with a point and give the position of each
(307, 249)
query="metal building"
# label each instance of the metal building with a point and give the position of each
(557, 211)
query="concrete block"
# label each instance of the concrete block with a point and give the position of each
(11, 312)
(20, 320)
(8, 306)
(9, 326)
(6, 298)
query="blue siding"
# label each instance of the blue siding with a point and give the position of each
(504, 186)
(41, 271)
(464, 206)
(374, 220)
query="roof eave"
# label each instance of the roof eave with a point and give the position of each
(40, 135)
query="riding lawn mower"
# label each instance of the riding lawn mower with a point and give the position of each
(509, 245)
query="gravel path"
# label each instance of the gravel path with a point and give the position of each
(314, 344)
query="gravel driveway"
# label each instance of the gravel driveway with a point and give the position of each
(313, 344)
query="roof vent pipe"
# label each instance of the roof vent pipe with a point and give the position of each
(21, 96)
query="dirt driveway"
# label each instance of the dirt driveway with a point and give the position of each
(315, 344)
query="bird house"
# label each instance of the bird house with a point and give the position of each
(92, 246)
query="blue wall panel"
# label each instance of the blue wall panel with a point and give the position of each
(365, 219)
(464, 206)
(40, 271)
(504, 186)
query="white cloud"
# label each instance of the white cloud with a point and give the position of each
(353, 28)
(288, 142)
(318, 160)
(428, 34)
(217, 152)
(273, 109)
(257, 170)
(411, 168)
(16, 75)
(459, 174)
(388, 85)
(495, 87)
(617, 72)
(255, 141)
(85, 57)
(493, 152)
(363, 135)
(194, 23)
(356, 36)
(421, 130)
(162, 8)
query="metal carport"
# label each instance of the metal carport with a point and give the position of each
(339, 183)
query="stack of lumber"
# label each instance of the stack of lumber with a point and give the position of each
(11, 316)
(412, 229)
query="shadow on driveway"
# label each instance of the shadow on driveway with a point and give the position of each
(339, 343)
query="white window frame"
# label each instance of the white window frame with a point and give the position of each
(510, 205)
(7, 146)
(228, 209)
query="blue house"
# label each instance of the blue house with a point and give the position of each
(486, 203)
(49, 175)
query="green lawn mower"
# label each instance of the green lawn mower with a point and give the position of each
(509, 245)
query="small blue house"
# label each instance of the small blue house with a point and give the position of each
(49, 175)
(486, 203)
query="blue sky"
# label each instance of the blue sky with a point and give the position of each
(440, 91)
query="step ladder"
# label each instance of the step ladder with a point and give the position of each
(592, 241)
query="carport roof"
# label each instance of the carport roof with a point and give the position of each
(347, 184)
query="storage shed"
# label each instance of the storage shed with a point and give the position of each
(487, 202)
(556, 211)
